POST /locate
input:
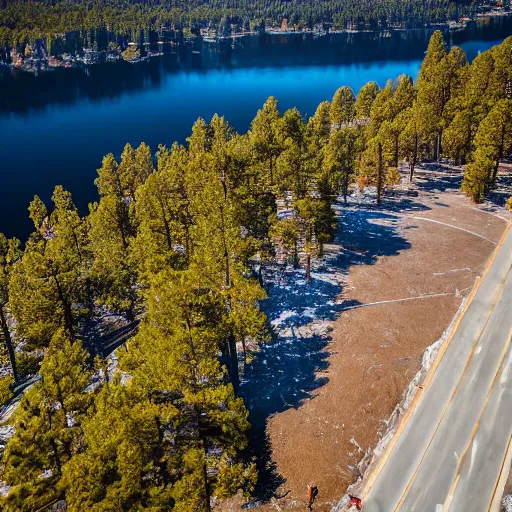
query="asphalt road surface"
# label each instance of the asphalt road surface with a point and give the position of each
(452, 450)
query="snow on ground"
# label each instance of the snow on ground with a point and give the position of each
(288, 371)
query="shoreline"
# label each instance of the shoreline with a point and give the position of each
(85, 58)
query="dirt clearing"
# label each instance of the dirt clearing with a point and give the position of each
(392, 283)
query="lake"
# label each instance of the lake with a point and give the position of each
(56, 127)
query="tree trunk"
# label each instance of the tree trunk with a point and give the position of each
(295, 256)
(167, 230)
(188, 241)
(77, 247)
(232, 353)
(346, 182)
(56, 456)
(500, 156)
(233, 362)
(205, 476)
(120, 215)
(130, 314)
(308, 269)
(380, 172)
(9, 345)
(244, 348)
(413, 160)
(68, 315)
(55, 448)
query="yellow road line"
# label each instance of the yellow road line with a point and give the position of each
(495, 505)
(450, 400)
(375, 471)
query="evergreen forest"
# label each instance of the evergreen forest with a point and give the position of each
(22, 21)
(176, 246)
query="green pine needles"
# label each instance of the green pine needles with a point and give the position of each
(170, 247)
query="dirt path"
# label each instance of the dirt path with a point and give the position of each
(391, 286)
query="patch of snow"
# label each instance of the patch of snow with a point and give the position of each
(285, 315)
(4, 489)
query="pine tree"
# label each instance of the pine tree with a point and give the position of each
(457, 71)
(111, 231)
(174, 356)
(492, 142)
(38, 214)
(413, 140)
(221, 251)
(381, 109)
(163, 233)
(433, 86)
(404, 94)
(293, 168)
(263, 136)
(365, 99)
(47, 427)
(340, 160)
(9, 253)
(135, 168)
(389, 134)
(477, 174)
(393, 177)
(476, 97)
(286, 233)
(319, 126)
(127, 461)
(457, 137)
(343, 107)
(47, 282)
(373, 166)
(500, 84)
(316, 222)
(253, 198)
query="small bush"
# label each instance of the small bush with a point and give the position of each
(393, 177)
(508, 206)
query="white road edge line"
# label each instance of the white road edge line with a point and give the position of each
(428, 296)
(450, 226)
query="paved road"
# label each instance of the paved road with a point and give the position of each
(450, 453)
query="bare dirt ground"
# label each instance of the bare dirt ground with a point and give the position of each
(396, 277)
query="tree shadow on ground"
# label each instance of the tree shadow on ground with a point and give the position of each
(499, 195)
(287, 372)
(435, 177)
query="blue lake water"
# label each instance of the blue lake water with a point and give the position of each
(55, 128)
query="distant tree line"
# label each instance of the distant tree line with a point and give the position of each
(22, 20)
(170, 241)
